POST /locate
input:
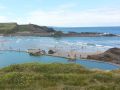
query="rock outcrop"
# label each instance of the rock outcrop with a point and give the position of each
(36, 52)
(111, 55)
(51, 52)
(89, 34)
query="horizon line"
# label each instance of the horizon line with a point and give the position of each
(63, 26)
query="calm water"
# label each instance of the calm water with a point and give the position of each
(8, 58)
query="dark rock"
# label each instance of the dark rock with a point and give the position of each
(111, 55)
(36, 52)
(109, 35)
(58, 34)
(51, 52)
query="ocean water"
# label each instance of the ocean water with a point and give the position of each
(64, 43)
(90, 44)
(114, 30)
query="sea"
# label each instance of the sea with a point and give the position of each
(113, 30)
(86, 44)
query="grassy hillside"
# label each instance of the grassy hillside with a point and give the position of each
(36, 76)
(35, 28)
(23, 28)
(12, 28)
(6, 28)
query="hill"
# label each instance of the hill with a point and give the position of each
(6, 28)
(28, 29)
(35, 28)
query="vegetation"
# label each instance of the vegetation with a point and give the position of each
(36, 76)
(12, 28)
(6, 28)
(23, 28)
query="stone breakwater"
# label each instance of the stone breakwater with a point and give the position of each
(72, 54)
(112, 55)
(65, 54)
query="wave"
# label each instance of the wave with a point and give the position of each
(81, 44)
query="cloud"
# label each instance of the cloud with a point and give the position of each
(64, 15)
(92, 17)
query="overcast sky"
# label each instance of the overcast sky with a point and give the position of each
(66, 13)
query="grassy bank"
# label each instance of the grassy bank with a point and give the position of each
(36, 76)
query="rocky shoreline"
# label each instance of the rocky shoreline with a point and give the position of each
(13, 29)
(89, 34)
(112, 55)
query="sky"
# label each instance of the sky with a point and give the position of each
(62, 13)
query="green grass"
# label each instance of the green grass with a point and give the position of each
(36, 76)
(11, 28)
(23, 28)
(6, 28)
